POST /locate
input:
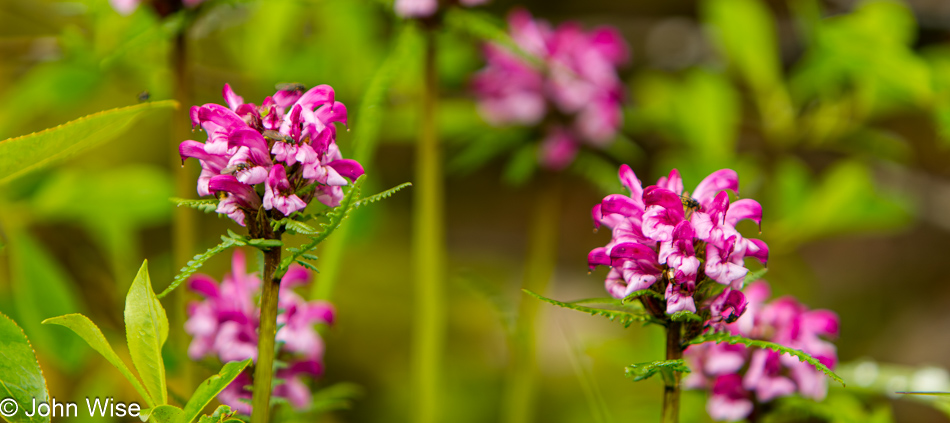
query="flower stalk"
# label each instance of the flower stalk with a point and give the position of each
(428, 252)
(264, 369)
(671, 383)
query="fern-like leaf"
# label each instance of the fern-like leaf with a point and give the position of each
(207, 205)
(295, 227)
(308, 266)
(381, 196)
(686, 316)
(337, 215)
(636, 294)
(626, 318)
(644, 371)
(192, 266)
(719, 337)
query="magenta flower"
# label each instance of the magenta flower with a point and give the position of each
(249, 146)
(426, 8)
(673, 243)
(577, 86)
(738, 377)
(225, 325)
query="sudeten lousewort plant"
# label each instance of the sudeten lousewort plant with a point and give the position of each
(677, 260)
(265, 164)
(574, 94)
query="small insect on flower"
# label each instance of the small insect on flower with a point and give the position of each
(144, 96)
(230, 170)
(276, 136)
(689, 202)
(291, 86)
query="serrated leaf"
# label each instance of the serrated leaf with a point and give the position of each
(380, 196)
(337, 215)
(222, 414)
(626, 318)
(207, 205)
(20, 375)
(196, 263)
(296, 227)
(308, 266)
(146, 329)
(643, 371)
(636, 294)
(720, 337)
(21, 155)
(89, 332)
(210, 388)
(686, 316)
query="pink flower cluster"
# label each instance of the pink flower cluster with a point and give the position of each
(225, 325)
(578, 89)
(286, 144)
(426, 8)
(671, 241)
(736, 375)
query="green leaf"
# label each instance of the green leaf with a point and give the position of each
(222, 414)
(754, 276)
(146, 329)
(295, 227)
(719, 337)
(89, 332)
(192, 266)
(637, 294)
(380, 196)
(27, 153)
(20, 375)
(686, 316)
(626, 318)
(42, 289)
(162, 414)
(308, 266)
(643, 371)
(207, 205)
(210, 388)
(337, 215)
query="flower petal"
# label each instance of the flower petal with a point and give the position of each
(719, 180)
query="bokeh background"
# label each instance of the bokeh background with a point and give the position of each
(836, 114)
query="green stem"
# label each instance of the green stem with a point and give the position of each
(264, 369)
(183, 219)
(539, 268)
(428, 254)
(671, 386)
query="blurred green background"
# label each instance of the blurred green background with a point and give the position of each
(836, 114)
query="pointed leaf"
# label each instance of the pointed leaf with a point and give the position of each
(192, 266)
(161, 414)
(643, 371)
(89, 332)
(20, 376)
(210, 388)
(719, 337)
(27, 153)
(626, 318)
(146, 329)
(207, 205)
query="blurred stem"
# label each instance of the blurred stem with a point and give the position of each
(428, 254)
(671, 388)
(539, 268)
(264, 369)
(183, 218)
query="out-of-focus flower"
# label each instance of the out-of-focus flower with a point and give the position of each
(576, 86)
(126, 7)
(661, 235)
(426, 8)
(736, 375)
(225, 325)
(249, 146)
